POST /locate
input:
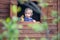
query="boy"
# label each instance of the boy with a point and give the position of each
(28, 14)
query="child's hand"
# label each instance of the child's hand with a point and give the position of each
(34, 20)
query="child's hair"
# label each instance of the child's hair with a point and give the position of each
(30, 10)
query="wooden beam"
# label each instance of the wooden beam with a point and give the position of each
(12, 2)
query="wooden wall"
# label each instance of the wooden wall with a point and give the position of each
(26, 31)
(59, 15)
(53, 5)
(5, 12)
(4, 8)
(53, 28)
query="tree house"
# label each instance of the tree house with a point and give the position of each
(6, 11)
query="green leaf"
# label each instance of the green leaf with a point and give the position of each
(1, 37)
(26, 38)
(5, 33)
(45, 25)
(43, 39)
(14, 19)
(30, 25)
(5, 24)
(1, 20)
(14, 26)
(20, 26)
(14, 9)
(58, 18)
(20, 1)
(8, 20)
(33, 39)
(44, 18)
(37, 27)
(40, 1)
(54, 13)
(55, 21)
(11, 32)
(43, 4)
(19, 9)
(55, 37)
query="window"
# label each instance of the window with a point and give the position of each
(35, 15)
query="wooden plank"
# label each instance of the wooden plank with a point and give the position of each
(59, 15)
(26, 23)
(4, 2)
(35, 35)
(1, 14)
(4, 10)
(4, 6)
(28, 30)
(52, 31)
(4, 15)
(31, 0)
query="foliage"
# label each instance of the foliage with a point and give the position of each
(56, 37)
(19, 9)
(33, 39)
(38, 27)
(27, 38)
(44, 18)
(43, 38)
(11, 24)
(22, 1)
(55, 21)
(1, 37)
(58, 18)
(54, 13)
(11, 27)
(8, 20)
(43, 5)
(14, 9)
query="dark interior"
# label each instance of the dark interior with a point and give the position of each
(35, 16)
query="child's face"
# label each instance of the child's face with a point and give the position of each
(28, 13)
